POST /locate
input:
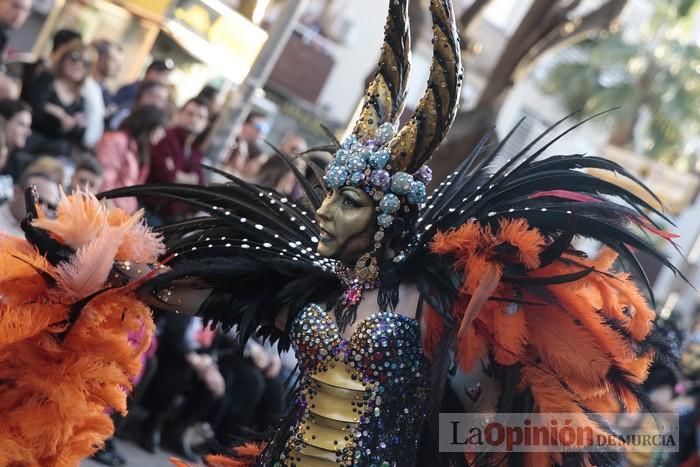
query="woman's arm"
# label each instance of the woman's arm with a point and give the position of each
(75, 129)
(184, 296)
(282, 317)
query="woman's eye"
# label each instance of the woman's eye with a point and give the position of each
(348, 203)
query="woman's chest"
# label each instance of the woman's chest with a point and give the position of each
(68, 100)
(383, 346)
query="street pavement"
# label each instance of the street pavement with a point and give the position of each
(136, 457)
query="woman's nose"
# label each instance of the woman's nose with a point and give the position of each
(323, 212)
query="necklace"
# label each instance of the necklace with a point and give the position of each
(358, 280)
(363, 277)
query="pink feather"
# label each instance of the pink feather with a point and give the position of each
(565, 194)
(89, 269)
(140, 244)
(661, 233)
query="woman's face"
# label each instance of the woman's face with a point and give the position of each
(18, 129)
(76, 65)
(347, 223)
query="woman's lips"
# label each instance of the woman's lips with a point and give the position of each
(325, 236)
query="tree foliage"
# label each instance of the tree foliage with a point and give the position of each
(548, 25)
(655, 75)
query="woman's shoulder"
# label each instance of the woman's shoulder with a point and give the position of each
(43, 77)
(409, 300)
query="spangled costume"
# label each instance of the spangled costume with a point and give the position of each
(490, 252)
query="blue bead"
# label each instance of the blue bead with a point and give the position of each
(349, 142)
(385, 132)
(365, 154)
(380, 159)
(390, 203)
(385, 220)
(355, 163)
(357, 178)
(336, 177)
(401, 183)
(416, 194)
(341, 156)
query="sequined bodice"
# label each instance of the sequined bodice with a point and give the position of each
(362, 400)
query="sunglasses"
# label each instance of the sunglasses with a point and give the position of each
(77, 57)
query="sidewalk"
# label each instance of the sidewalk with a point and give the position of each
(136, 457)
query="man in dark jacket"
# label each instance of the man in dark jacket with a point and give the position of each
(177, 158)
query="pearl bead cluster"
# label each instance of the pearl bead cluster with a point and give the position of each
(367, 164)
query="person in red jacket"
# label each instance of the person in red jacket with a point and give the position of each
(177, 157)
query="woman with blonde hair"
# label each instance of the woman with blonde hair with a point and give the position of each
(57, 103)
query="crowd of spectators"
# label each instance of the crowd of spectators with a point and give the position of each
(66, 124)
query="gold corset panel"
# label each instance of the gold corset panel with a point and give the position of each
(335, 401)
(362, 400)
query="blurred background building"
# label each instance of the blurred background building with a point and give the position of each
(216, 42)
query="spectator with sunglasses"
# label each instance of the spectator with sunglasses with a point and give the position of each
(57, 103)
(13, 211)
(48, 165)
(32, 71)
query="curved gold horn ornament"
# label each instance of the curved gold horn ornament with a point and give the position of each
(413, 145)
(387, 166)
(386, 94)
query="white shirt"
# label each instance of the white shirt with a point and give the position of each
(94, 112)
(8, 223)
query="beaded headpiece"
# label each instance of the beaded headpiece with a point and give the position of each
(386, 162)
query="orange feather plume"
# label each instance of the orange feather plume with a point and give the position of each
(245, 455)
(79, 219)
(59, 389)
(568, 350)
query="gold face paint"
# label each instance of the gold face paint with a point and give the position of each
(347, 220)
